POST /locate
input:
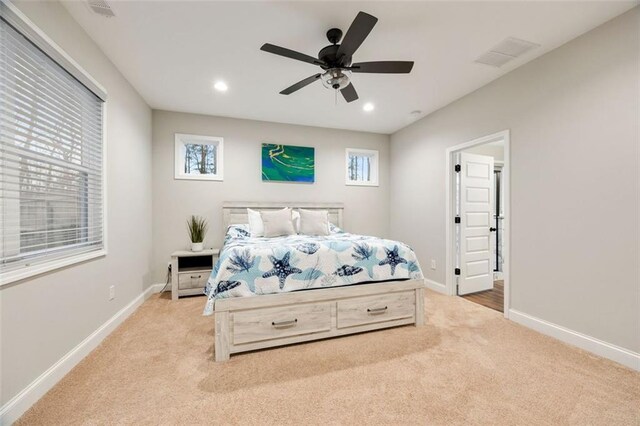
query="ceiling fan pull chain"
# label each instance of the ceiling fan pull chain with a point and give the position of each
(336, 97)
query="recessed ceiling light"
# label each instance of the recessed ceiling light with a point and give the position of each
(368, 107)
(220, 86)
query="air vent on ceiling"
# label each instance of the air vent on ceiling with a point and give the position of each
(101, 7)
(505, 51)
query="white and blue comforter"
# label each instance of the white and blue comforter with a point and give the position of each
(253, 266)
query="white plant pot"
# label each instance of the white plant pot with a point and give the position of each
(196, 246)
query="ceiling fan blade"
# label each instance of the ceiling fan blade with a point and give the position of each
(349, 93)
(383, 67)
(357, 32)
(288, 53)
(299, 85)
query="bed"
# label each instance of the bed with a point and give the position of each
(266, 292)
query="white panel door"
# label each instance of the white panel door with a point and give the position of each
(476, 222)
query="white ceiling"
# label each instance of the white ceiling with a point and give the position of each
(173, 51)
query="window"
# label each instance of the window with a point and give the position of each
(198, 157)
(51, 158)
(362, 167)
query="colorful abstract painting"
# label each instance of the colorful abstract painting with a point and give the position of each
(287, 163)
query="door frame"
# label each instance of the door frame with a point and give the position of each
(450, 284)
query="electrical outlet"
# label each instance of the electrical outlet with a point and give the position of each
(112, 292)
(433, 264)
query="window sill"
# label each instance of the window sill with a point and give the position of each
(217, 177)
(32, 271)
(360, 183)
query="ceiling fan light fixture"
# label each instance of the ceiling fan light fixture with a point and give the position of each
(336, 60)
(368, 107)
(335, 78)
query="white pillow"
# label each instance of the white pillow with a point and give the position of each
(256, 227)
(314, 222)
(278, 223)
(296, 220)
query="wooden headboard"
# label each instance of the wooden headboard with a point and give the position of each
(235, 212)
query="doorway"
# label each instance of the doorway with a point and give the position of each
(478, 221)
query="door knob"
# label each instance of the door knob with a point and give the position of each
(492, 229)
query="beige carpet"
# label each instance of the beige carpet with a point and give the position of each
(468, 365)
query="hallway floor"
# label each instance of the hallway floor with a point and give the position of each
(493, 298)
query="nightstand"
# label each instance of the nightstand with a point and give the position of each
(190, 271)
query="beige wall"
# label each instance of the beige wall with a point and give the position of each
(573, 115)
(45, 317)
(495, 151)
(366, 208)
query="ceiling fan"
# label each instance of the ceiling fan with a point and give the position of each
(335, 59)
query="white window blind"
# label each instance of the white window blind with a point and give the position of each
(51, 201)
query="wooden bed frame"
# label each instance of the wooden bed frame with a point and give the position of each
(249, 323)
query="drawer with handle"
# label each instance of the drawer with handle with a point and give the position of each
(188, 280)
(273, 323)
(378, 308)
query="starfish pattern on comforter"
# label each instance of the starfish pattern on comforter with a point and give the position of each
(250, 266)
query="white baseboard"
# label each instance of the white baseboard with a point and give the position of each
(582, 341)
(20, 403)
(436, 286)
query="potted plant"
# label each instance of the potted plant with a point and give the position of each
(197, 229)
